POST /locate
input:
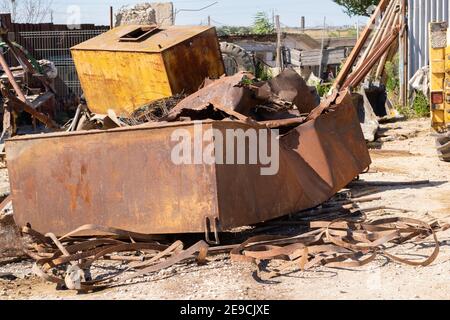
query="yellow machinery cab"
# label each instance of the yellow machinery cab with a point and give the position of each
(439, 76)
(440, 86)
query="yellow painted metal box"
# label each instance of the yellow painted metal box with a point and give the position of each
(439, 75)
(131, 66)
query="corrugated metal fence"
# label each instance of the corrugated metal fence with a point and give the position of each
(420, 14)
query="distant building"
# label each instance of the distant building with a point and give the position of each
(301, 51)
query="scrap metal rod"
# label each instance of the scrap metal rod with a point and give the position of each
(346, 69)
(389, 183)
(360, 73)
(26, 105)
(11, 78)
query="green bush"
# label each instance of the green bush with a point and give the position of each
(419, 109)
(263, 73)
(405, 111)
(421, 106)
(392, 81)
(323, 89)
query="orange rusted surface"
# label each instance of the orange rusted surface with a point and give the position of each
(127, 75)
(166, 38)
(125, 178)
(191, 61)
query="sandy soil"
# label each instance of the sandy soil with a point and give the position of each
(407, 153)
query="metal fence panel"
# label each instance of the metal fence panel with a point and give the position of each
(420, 14)
(55, 46)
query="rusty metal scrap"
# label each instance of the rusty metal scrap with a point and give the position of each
(15, 98)
(290, 86)
(130, 66)
(227, 91)
(340, 243)
(348, 65)
(125, 177)
(347, 241)
(379, 48)
(285, 96)
(155, 111)
(363, 70)
(10, 243)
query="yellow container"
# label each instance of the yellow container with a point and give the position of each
(131, 66)
(439, 75)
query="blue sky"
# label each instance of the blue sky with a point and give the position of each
(228, 12)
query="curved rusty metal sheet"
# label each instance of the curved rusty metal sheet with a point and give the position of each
(286, 96)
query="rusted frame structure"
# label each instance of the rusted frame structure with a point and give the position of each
(347, 68)
(14, 98)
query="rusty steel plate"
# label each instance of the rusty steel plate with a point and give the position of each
(125, 177)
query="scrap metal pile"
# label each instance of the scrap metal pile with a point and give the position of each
(343, 240)
(375, 46)
(365, 68)
(94, 257)
(113, 171)
(27, 88)
(319, 153)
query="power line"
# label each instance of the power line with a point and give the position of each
(177, 11)
(191, 10)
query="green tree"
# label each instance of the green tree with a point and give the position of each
(357, 7)
(261, 24)
(233, 30)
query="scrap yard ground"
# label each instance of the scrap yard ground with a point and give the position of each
(407, 154)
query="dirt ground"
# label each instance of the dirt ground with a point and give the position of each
(407, 153)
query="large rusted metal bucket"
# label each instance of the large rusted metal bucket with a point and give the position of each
(125, 178)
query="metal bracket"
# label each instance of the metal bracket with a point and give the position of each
(215, 231)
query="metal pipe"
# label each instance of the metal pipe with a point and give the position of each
(377, 35)
(111, 17)
(348, 65)
(356, 77)
(279, 58)
(27, 106)
(322, 46)
(11, 79)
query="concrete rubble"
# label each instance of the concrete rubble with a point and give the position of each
(145, 14)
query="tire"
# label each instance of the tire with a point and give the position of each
(236, 59)
(443, 146)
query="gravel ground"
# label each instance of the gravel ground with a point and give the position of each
(407, 153)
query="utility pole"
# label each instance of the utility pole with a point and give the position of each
(174, 15)
(403, 65)
(209, 20)
(51, 16)
(13, 10)
(111, 17)
(302, 24)
(279, 53)
(357, 29)
(322, 46)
